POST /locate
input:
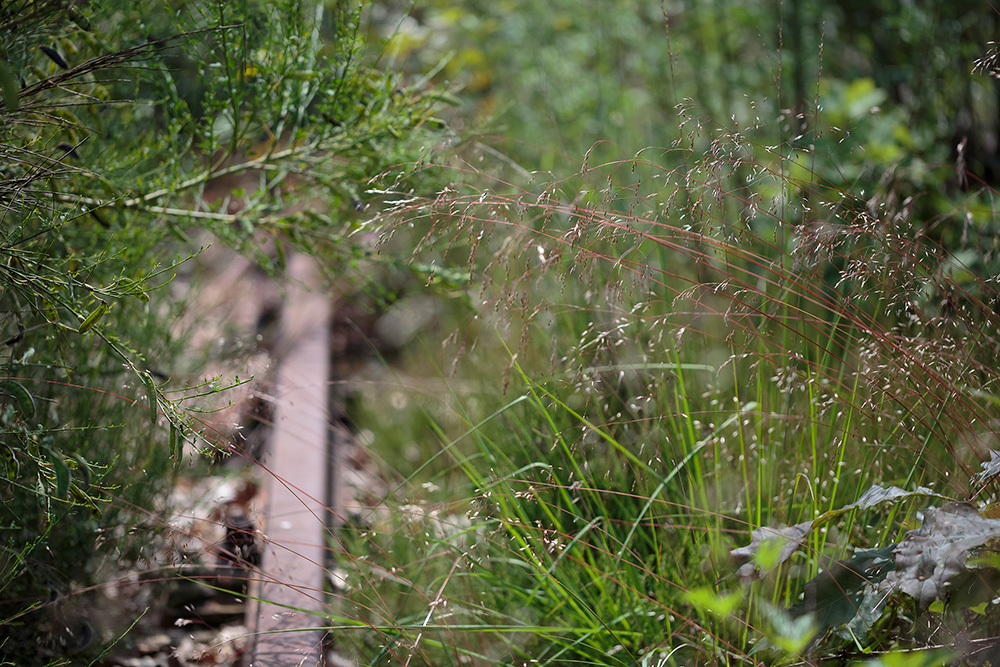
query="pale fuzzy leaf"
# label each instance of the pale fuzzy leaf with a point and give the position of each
(991, 468)
(873, 496)
(795, 534)
(791, 535)
(876, 494)
(930, 557)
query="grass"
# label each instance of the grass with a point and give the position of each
(641, 367)
(656, 411)
(660, 361)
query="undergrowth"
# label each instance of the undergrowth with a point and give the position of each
(726, 401)
(689, 415)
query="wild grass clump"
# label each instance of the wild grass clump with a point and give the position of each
(659, 361)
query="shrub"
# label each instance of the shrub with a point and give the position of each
(126, 132)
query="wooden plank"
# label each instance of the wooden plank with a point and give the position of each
(297, 465)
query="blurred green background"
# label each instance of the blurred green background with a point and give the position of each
(556, 77)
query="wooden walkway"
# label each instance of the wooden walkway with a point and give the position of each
(287, 620)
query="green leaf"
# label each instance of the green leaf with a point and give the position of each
(916, 658)
(279, 249)
(147, 379)
(444, 96)
(85, 500)
(845, 592)
(8, 82)
(78, 18)
(719, 605)
(175, 451)
(62, 474)
(24, 399)
(94, 317)
(83, 468)
(790, 633)
(134, 288)
(974, 588)
(861, 96)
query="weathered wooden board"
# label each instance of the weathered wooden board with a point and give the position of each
(288, 619)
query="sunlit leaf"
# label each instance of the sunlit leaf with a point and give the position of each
(94, 317)
(720, 605)
(915, 658)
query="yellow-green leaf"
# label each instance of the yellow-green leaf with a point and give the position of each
(720, 605)
(85, 500)
(94, 317)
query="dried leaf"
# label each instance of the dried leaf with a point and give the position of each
(873, 496)
(791, 535)
(795, 534)
(930, 557)
(991, 468)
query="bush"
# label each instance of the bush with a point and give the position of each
(127, 131)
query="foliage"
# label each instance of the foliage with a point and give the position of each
(665, 355)
(561, 77)
(126, 130)
(776, 323)
(778, 320)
